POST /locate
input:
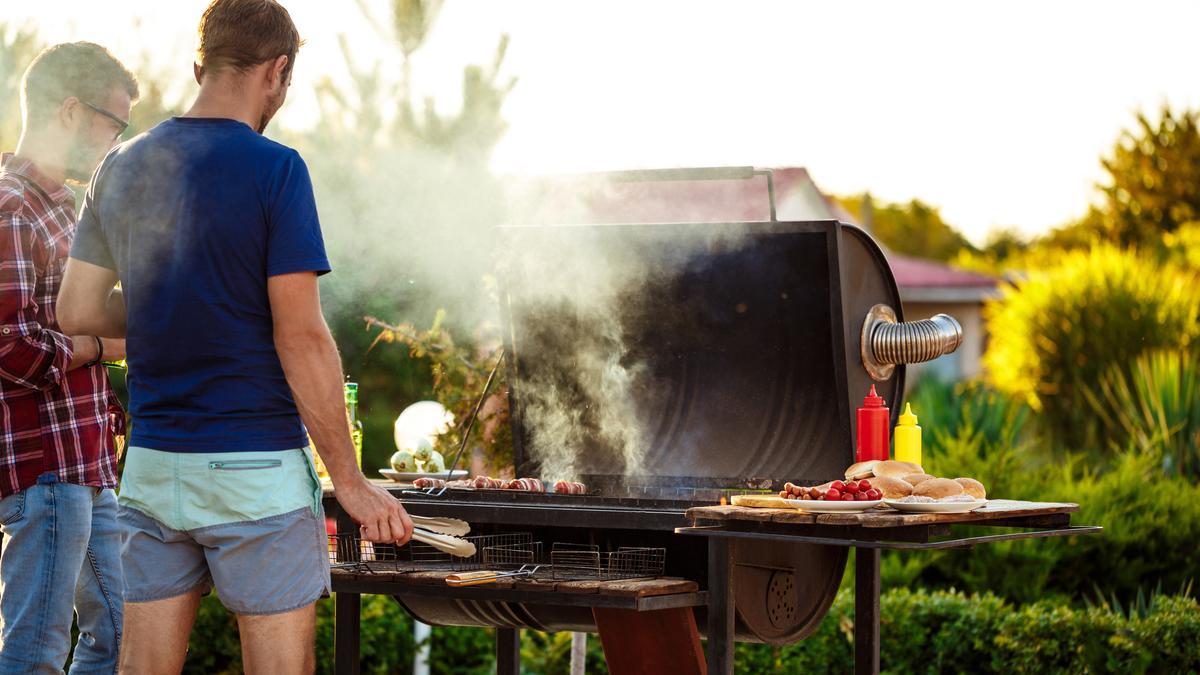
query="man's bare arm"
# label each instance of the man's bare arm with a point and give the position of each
(89, 302)
(314, 372)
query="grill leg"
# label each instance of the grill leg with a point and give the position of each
(720, 606)
(866, 611)
(346, 616)
(508, 651)
(345, 632)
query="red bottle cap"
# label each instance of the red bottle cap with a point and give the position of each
(873, 400)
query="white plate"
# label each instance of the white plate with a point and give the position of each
(410, 476)
(935, 507)
(822, 506)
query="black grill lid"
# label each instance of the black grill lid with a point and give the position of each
(740, 342)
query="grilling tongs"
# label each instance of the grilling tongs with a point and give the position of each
(488, 576)
(440, 534)
(459, 548)
(450, 526)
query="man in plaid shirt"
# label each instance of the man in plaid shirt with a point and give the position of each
(61, 545)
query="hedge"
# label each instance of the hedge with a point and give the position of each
(923, 632)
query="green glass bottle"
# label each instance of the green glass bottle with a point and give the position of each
(356, 427)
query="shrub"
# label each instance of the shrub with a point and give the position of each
(1054, 334)
(1151, 524)
(922, 632)
(950, 632)
(949, 411)
(1154, 406)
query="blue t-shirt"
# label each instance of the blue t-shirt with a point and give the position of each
(194, 216)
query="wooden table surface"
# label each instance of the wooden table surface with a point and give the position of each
(996, 509)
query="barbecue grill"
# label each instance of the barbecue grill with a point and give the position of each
(751, 344)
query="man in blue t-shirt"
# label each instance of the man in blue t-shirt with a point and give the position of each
(211, 230)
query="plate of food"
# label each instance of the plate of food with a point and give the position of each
(833, 497)
(827, 506)
(410, 476)
(919, 504)
(942, 495)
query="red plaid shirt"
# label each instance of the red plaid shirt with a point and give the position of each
(51, 420)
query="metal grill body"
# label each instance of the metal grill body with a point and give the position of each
(746, 352)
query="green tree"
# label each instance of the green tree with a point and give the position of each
(408, 207)
(915, 228)
(1153, 184)
(18, 46)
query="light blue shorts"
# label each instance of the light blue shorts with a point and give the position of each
(249, 524)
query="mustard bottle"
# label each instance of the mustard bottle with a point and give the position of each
(908, 437)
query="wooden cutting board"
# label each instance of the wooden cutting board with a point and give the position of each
(760, 501)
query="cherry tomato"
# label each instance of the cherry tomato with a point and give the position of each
(833, 494)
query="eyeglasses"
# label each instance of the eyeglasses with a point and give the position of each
(122, 125)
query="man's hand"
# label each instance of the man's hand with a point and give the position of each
(382, 517)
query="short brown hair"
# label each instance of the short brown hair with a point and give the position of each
(84, 70)
(241, 34)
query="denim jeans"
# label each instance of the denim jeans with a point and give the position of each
(62, 551)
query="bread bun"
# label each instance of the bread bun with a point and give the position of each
(861, 470)
(915, 479)
(916, 468)
(893, 469)
(938, 488)
(892, 488)
(972, 487)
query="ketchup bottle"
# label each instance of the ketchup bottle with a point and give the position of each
(873, 421)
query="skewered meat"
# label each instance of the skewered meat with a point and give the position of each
(526, 484)
(566, 487)
(439, 482)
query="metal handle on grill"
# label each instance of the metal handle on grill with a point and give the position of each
(886, 342)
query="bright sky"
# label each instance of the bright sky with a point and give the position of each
(996, 112)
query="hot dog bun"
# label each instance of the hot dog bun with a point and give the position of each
(938, 488)
(972, 487)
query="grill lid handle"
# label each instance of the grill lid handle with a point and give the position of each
(887, 342)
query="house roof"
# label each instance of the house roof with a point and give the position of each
(592, 199)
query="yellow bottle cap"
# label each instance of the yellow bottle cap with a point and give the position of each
(907, 418)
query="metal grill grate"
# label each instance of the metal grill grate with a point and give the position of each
(502, 553)
(353, 553)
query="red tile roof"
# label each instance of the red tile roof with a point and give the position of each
(913, 272)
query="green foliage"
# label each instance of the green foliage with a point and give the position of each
(459, 377)
(1153, 179)
(1154, 406)
(458, 650)
(1151, 524)
(950, 632)
(1055, 333)
(1142, 605)
(950, 411)
(915, 228)
(407, 206)
(550, 654)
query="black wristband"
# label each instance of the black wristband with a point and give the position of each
(99, 353)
